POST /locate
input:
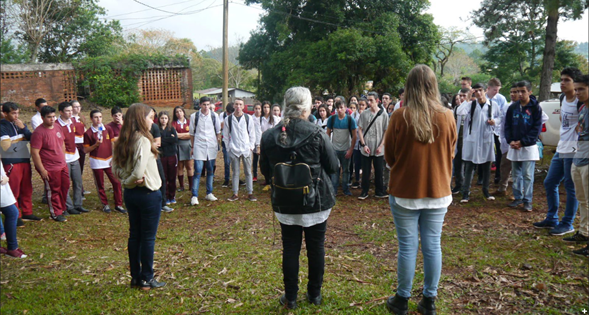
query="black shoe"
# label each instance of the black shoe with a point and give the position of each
(480, 182)
(65, 213)
(456, 190)
(135, 283)
(44, 200)
(73, 211)
(577, 238)
(82, 210)
(427, 306)
(315, 300)
(106, 209)
(151, 284)
(60, 218)
(31, 217)
(241, 183)
(291, 305)
(121, 209)
(398, 304)
(363, 196)
(20, 223)
(225, 184)
(582, 252)
(516, 203)
(381, 196)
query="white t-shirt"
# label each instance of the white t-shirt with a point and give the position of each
(36, 120)
(6, 196)
(568, 136)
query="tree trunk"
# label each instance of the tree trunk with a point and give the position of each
(549, 53)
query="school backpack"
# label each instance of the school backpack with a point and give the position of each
(213, 116)
(247, 122)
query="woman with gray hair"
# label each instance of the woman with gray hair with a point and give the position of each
(296, 142)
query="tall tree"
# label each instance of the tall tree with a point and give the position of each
(338, 44)
(502, 19)
(449, 38)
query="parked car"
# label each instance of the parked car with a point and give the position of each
(249, 109)
(551, 130)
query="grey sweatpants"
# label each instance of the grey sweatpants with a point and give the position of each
(247, 169)
(76, 186)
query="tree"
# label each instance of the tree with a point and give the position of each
(460, 64)
(338, 44)
(531, 21)
(449, 38)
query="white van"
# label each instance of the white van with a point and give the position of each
(551, 135)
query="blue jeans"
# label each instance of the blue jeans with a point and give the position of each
(198, 166)
(11, 215)
(523, 180)
(145, 207)
(560, 169)
(226, 162)
(410, 224)
(345, 165)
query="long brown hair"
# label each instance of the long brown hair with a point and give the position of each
(159, 121)
(134, 127)
(422, 101)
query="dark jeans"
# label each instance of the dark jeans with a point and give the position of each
(485, 168)
(498, 155)
(255, 165)
(226, 162)
(11, 215)
(160, 170)
(357, 164)
(292, 238)
(144, 208)
(458, 169)
(377, 162)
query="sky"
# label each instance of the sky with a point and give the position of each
(202, 20)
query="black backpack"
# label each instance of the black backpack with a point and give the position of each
(293, 184)
(247, 123)
(213, 117)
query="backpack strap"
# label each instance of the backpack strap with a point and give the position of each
(562, 96)
(473, 107)
(490, 110)
(247, 122)
(350, 125)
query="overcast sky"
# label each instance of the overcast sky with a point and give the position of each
(202, 20)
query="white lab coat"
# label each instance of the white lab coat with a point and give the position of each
(241, 140)
(478, 145)
(205, 144)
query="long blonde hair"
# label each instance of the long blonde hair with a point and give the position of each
(422, 101)
(134, 127)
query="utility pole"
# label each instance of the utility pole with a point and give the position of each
(225, 53)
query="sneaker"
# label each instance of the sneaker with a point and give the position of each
(168, 202)
(464, 200)
(106, 209)
(578, 238)
(381, 196)
(347, 193)
(82, 210)
(490, 198)
(167, 209)
(60, 218)
(582, 252)
(225, 184)
(30, 217)
(17, 253)
(291, 305)
(193, 201)
(255, 179)
(19, 223)
(83, 198)
(527, 206)
(173, 201)
(121, 209)
(86, 192)
(355, 185)
(515, 203)
(480, 182)
(251, 197)
(561, 230)
(398, 304)
(233, 198)
(456, 191)
(152, 284)
(241, 183)
(545, 224)
(363, 196)
(3, 237)
(211, 197)
(73, 211)
(3, 251)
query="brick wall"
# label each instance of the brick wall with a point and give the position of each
(23, 84)
(166, 87)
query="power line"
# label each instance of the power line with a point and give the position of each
(175, 14)
(163, 6)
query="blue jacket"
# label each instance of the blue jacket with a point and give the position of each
(523, 123)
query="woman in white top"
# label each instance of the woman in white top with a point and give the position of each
(10, 211)
(257, 123)
(268, 120)
(134, 162)
(322, 116)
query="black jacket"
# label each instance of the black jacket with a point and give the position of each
(317, 153)
(523, 123)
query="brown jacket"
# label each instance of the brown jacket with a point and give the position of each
(420, 170)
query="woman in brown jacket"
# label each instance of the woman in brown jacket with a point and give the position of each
(419, 147)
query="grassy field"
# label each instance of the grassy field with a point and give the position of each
(222, 257)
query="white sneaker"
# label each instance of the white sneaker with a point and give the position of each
(490, 198)
(464, 201)
(193, 201)
(211, 197)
